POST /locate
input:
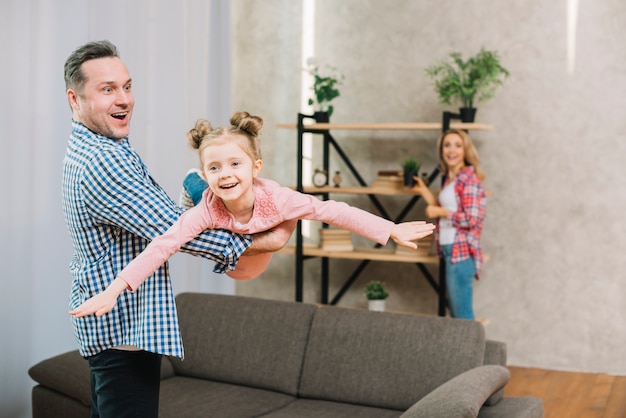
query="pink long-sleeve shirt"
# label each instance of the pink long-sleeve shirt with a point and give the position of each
(273, 205)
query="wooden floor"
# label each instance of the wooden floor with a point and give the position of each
(570, 394)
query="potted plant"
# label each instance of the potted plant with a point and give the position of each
(467, 81)
(376, 293)
(324, 90)
(410, 168)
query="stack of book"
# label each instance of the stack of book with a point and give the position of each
(424, 247)
(333, 239)
(389, 180)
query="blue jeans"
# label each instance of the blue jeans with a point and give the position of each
(125, 384)
(460, 284)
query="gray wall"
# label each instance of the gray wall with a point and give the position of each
(553, 289)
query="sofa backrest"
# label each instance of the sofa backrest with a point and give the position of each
(383, 359)
(245, 341)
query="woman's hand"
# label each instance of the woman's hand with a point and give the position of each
(406, 232)
(101, 303)
(421, 188)
(434, 211)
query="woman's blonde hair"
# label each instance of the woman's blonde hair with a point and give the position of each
(244, 129)
(471, 155)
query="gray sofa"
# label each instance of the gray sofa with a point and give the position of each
(249, 357)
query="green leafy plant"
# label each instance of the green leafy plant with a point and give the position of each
(475, 79)
(324, 87)
(410, 168)
(375, 290)
(410, 165)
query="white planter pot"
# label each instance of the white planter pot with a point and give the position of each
(377, 305)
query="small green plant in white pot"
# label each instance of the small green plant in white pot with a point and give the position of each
(324, 89)
(376, 293)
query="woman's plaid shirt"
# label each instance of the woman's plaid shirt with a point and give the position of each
(469, 217)
(113, 208)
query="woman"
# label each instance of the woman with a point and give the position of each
(459, 211)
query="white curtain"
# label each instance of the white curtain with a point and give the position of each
(178, 55)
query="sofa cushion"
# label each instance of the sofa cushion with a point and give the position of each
(383, 359)
(462, 396)
(242, 340)
(185, 397)
(518, 407)
(310, 408)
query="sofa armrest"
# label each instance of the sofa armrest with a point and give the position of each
(461, 396)
(495, 353)
(66, 373)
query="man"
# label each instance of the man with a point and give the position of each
(113, 208)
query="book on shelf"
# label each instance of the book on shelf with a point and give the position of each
(389, 180)
(334, 239)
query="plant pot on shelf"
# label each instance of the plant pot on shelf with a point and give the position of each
(321, 117)
(468, 114)
(376, 305)
(410, 169)
(376, 293)
(408, 178)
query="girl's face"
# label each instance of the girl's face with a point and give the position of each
(229, 170)
(453, 152)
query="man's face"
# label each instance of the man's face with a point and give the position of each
(106, 103)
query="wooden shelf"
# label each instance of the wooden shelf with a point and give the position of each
(362, 253)
(409, 126)
(360, 190)
(379, 187)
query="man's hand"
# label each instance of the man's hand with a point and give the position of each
(273, 239)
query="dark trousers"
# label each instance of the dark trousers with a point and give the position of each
(125, 384)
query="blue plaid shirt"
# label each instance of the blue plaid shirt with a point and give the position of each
(113, 208)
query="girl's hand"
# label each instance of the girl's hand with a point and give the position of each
(405, 233)
(101, 303)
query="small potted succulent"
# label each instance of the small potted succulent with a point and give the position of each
(376, 293)
(324, 90)
(410, 168)
(467, 81)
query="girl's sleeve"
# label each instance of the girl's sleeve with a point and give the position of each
(190, 224)
(296, 205)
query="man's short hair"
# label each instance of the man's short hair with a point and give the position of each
(74, 77)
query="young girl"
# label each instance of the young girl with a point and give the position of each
(238, 200)
(460, 212)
